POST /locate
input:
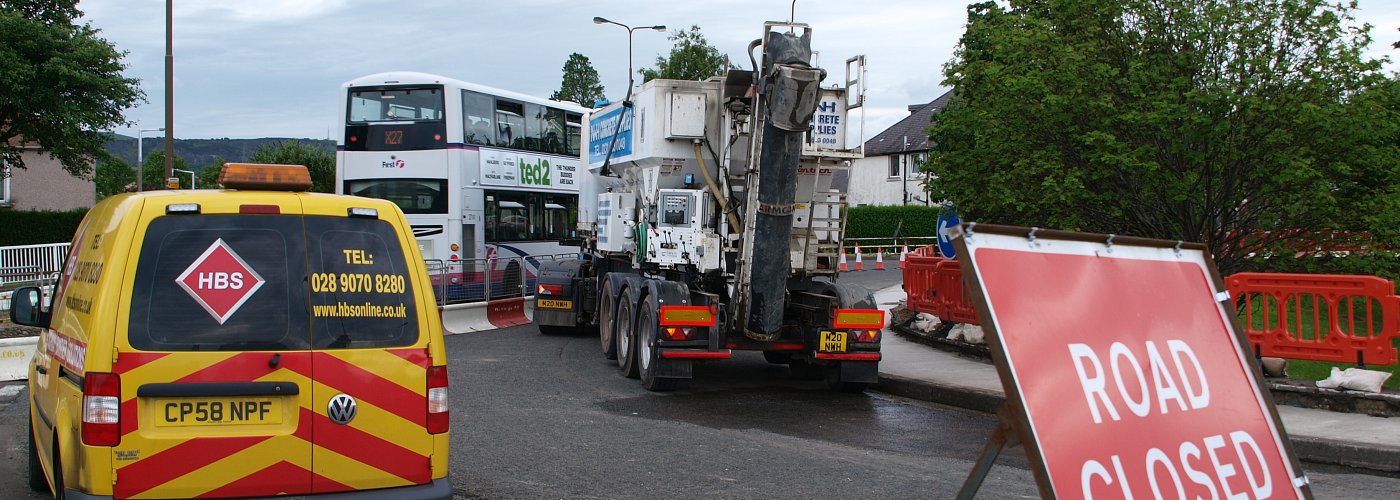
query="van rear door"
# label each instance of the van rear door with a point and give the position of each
(217, 348)
(369, 353)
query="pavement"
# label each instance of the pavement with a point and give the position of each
(917, 371)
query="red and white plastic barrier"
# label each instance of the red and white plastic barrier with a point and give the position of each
(483, 316)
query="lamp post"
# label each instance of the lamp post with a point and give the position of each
(140, 160)
(183, 171)
(661, 28)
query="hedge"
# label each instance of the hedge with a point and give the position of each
(881, 222)
(38, 227)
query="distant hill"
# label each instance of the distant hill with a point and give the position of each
(201, 153)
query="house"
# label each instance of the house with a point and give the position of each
(43, 185)
(889, 174)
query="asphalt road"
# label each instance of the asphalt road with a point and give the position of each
(547, 416)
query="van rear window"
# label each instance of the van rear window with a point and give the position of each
(221, 283)
(361, 294)
(271, 282)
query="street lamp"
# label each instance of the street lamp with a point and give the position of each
(661, 28)
(139, 159)
(183, 171)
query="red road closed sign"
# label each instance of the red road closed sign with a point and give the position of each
(1130, 379)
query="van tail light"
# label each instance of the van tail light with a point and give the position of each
(102, 402)
(438, 414)
(543, 289)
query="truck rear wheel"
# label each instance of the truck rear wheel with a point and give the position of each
(625, 333)
(605, 320)
(648, 354)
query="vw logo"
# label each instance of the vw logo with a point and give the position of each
(341, 409)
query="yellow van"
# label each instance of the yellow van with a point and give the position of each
(252, 341)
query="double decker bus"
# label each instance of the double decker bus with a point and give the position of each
(484, 175)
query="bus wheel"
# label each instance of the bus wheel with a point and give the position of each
(648, 354)
(513, 281)
(606, 320)
(625, 332)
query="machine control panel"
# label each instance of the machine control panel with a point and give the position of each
(675, 209)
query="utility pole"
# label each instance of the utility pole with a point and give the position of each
(169, 92)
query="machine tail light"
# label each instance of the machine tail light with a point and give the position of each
(859, 318)
(549, 290)
(102, 402)
(678, 332)
(438, 408)
(266, 177)
(687, 316)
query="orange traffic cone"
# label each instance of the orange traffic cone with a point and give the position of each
(860, 261)
(902, 255)
(879, 258)
(841, 263)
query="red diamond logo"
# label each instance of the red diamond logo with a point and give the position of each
(220, 281)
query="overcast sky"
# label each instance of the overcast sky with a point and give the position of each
(272, 68)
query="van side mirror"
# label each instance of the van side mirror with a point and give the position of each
(26, 307)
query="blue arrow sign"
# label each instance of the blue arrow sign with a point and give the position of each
(946, 221)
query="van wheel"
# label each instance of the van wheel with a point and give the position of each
(648, 354)
(605, 323)
(625, 332)
(37, 481)
(59, 492)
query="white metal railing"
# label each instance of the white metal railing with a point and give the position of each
(30, 264)
(477, 280)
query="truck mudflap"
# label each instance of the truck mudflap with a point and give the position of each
(557, 300)
(859, 372)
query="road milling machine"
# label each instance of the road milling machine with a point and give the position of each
(711, 224)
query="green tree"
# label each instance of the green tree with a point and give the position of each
(153, 171)
(209, 175)
(580, 83)
(319, 162)
(61, 85)
(692, 58)
(1197, 120)
(112, 176)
